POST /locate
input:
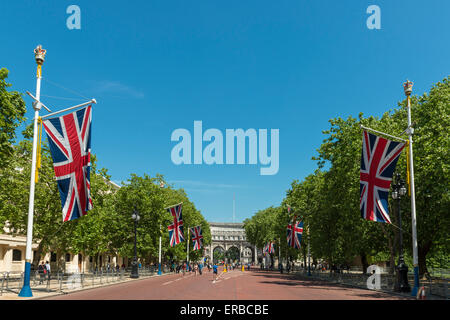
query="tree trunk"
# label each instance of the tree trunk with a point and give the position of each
(392, 257)
(37, 256)
(422, 252)
(304, 258)
(391, 246)
(364, 262)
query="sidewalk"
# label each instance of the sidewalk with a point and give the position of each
(72, 283)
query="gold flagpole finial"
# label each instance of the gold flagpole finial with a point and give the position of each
(39, 55)
(407, 86)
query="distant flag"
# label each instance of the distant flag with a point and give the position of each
(379, 157)
(69, 139)
(294, 234)
(197, 238)
(176, 229)
(269, 248)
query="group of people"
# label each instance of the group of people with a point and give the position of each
(44, 271)
(196, 268)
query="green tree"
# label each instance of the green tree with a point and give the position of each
(12, 114)
(150, 200)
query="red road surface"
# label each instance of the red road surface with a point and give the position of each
(234, 285)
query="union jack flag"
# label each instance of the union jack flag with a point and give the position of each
(197, 238)
(176, 229)
(294, 234)
(69, 139)
(378, 160)
(269, 248)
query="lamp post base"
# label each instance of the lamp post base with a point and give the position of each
(402, 284)
(159, 269)
(134, 271)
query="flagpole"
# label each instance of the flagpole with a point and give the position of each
(39, 55)
(408, 89)
(279, 253)
(383, 133)
(159, 265)
(187, 249)
(70, 108)
(309, 255)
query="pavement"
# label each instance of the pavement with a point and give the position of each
(42, 292)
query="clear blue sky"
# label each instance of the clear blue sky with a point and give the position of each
(155, 66)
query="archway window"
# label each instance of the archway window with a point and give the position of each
(17, 255)
(52, 257)
(67, 257)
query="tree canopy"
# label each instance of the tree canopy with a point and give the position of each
(328, 199)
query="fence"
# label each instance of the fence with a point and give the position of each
(63, 281)
(433, 286)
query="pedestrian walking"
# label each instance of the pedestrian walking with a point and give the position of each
(214, 272)
(47, 267)
(42, 271)
(184, 268)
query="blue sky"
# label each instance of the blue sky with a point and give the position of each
(155, 66)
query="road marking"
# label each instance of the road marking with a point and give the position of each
(166, 283)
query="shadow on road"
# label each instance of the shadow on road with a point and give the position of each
(293, 280)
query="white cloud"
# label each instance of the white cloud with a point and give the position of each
(115, 87)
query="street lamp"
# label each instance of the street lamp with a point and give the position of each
(399, 190)
(134, 265)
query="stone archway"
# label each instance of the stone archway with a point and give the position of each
(233, 255)
(218, 254)
(248, 255)
(227, 235)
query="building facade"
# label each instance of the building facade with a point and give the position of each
(230, 236)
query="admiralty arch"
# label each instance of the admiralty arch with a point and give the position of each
(226, 237)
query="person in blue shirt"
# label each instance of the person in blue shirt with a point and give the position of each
(215, 272)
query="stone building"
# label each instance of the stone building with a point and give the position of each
(12, 254)
(230, 236)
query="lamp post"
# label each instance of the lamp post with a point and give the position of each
(134, 265)
(399, 190)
